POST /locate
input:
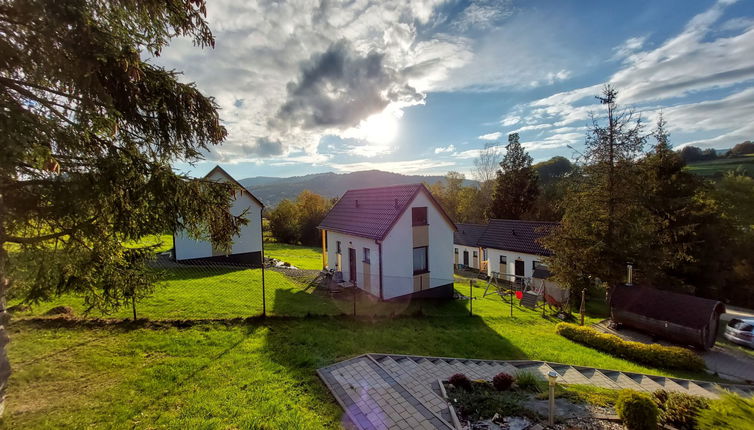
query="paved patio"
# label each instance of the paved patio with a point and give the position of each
(390, 391)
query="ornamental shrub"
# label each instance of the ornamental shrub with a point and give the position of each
(637, 410)
(681, 410)
(670, 357)
(502, 381)
(459, 380)
(528, 381)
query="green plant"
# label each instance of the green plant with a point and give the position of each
(637, 410)
(730, 412)
(502, 381)
(529, 381)
(671, 357)
(459, 380)
(482, 401)
(681, 410)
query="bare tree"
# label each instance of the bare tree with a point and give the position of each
(485, 170)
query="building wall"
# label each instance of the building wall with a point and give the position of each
(367, 275)
(397, 253)
(249, 239)
(473, 263)
(494, 260)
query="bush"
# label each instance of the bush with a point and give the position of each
(681, 410)
(638, 411)
(728, 413)
(502, 381)
(671, 357)
(528, 381)
(459, 380)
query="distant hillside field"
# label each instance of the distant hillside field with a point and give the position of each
(720, 166)
(272, 190)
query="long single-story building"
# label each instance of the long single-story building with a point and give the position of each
(247, 246)
(513, 248)
(392, 242)
(466, 250)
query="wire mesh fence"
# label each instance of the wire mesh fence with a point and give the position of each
(206, 289)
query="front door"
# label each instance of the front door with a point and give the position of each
(465, 258)
(352, 265)
(519, 269)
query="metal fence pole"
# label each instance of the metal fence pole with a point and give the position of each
(353, 293)
(471, 297)
(133, 305)
(264, 296)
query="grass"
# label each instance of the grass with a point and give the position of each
(164, 242)
(303, 257)
(720, 166)
(254, 375)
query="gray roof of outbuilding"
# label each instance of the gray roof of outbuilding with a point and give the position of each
(378, 209)
(517, 235)
(468, 234)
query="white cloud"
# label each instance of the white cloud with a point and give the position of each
(447, 149)
(483, 14)
(700, 58)
(491, 136)
(510, 120)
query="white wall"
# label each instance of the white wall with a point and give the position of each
(494, 261)
(249, 238)
(471, 250)
(358, 243)
(397, 251)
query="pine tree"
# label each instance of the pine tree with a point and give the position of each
(90, 128)
(600, 230)
(516, 187)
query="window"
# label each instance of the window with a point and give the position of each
(419, 216)
(420, 260)
(475, 254)
(366, 255)
(337, 247)
(484, 254)
(503, 260)
(456, 251)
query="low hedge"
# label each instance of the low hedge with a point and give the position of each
(670, 357)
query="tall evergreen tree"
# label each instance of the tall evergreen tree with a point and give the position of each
(601, 222)
(516, 186)
(90, 128)
(673, 213)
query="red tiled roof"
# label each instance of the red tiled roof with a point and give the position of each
(468, 234)
(517, 235)
(372, 212)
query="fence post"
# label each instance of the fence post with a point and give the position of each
(133, 305)
(471, 297)
(264, 296)
(582, 309)
(353, 293)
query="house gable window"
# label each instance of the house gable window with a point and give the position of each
(366, 255)
(421, 263)
(475, 254)
(456, 251)
(419, 216)
(337, 247)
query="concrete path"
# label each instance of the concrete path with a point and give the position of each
(386, 391)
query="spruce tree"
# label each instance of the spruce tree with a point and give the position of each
(516, 187)
(90, 129)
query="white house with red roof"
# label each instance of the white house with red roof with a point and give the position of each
(392, 242)
(247, 246)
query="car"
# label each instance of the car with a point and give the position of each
(741, 331)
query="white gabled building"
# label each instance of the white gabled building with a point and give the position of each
(466, 250)
(392, 242)
(513, 247)
(247, 246)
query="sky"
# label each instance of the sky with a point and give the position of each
(419, 87)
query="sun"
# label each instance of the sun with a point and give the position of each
(380, 128)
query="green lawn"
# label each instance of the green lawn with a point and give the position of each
(164, 242)
(720, 166)
(303, 257)
(247, 375)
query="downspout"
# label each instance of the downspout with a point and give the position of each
(379, 251)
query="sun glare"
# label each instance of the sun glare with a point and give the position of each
(380, 128)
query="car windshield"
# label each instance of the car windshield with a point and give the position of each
(740, 325)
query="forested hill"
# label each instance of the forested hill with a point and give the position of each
(272, 190)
